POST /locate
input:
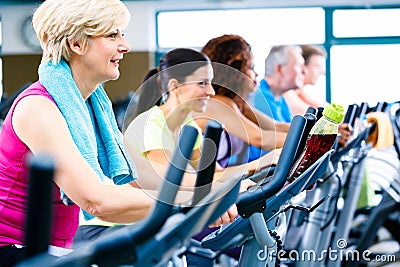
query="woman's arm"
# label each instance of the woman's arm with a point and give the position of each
(309, 99)
(269, 159)
(151, 170)
(262, 120)
(297, 105)
(265, 121)
(225, 110)
(39, 124)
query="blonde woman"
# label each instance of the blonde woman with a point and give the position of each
(68, 115)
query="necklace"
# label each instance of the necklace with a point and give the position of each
(86, 92)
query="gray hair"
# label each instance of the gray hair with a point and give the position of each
(279, 55)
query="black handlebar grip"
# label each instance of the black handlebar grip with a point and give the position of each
(208, 159)
(362, 110)
(39, 212)
(119, 247)
(311, 110)
(351, 115)
(319, 112)
(253, 200)
(286, 159)
(309, 123)
(177, 167)
(381, 106)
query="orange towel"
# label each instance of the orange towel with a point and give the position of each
(382, 136)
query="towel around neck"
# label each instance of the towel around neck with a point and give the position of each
(91, 123)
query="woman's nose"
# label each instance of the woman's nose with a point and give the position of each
(124, 46)
(210, 90)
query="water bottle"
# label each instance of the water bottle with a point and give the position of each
(320, 140)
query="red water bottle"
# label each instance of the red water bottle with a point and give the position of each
(320, 140)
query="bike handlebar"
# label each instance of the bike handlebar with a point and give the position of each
(310, 119)
(253, 200)
(354, 143)
(350, 115)
(39, 206)
(105, 249)
(119, 247)
(208, 159)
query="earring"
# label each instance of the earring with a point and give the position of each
(164, 98)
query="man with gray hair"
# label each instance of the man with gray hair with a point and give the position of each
(284, 70)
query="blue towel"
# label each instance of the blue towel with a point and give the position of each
(92, 125)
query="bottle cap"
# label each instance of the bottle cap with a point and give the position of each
(334, 112)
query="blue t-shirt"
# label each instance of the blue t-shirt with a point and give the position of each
(277, 109)
(265, 101)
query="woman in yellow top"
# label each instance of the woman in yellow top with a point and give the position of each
(166, 101)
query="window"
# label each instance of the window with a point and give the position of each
(364, 44)
(262, 28)
(366, 22)
(364, 59)
(365, 73)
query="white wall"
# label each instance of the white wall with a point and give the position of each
(141, 30)
(11, 19)
(142, 25)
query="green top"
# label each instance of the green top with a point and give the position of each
(152, 132)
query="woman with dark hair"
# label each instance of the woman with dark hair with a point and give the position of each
(169, 95)
(154, 90)
(234, 80)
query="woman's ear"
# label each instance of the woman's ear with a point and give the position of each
(172, 84)
(75, 46)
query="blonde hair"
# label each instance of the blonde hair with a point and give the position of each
(57, 21)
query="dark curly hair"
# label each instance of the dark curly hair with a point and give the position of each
(231, 50)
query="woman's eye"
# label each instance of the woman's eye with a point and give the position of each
(113, 35)
(203, 83)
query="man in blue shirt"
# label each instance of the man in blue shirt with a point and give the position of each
(284, 70)
(265, 101)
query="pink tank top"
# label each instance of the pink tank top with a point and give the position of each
(13, 187)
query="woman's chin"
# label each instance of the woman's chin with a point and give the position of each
(200, 109)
